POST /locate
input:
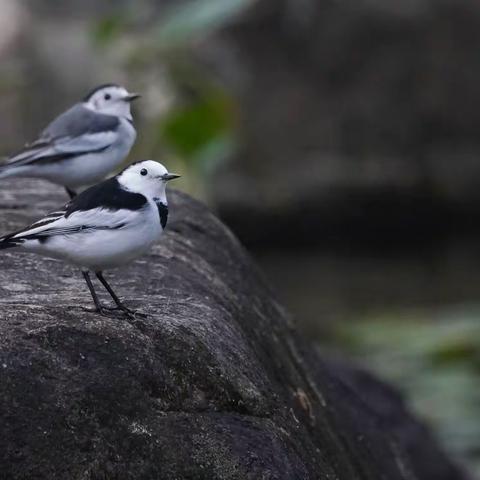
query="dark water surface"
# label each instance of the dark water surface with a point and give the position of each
(323, 286)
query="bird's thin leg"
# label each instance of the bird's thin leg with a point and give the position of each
(71, 193)
(117, 301)
(98, 307)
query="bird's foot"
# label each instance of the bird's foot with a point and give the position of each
(108, 312)
(127, 311)
(100, 310)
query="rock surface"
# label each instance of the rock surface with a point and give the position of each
(213, 384)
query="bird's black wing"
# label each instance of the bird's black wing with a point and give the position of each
(108, 195)
(105, 206)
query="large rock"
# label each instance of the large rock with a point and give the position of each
(213, 384)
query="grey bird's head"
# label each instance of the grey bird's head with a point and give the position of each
(110, 99)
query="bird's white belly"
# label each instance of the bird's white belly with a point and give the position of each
(85, 169)
(102, 249)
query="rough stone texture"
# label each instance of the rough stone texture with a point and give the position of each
(213, 384)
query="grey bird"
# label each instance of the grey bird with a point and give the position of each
(82, 145)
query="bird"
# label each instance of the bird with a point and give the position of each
(83, 144)
(103, 227)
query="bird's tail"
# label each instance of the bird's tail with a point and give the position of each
(3, 169)
(13, 166)
(9, 242)
(8, 170)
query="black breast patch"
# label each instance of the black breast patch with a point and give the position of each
(163, 212)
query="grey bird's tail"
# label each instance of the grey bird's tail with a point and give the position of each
(16, 165)
(9, 170)
(5, 171)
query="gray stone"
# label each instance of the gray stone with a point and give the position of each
(213, 384)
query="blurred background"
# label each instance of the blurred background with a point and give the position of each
(339, 139)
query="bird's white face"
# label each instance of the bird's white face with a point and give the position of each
(111, 100)
(148, 178)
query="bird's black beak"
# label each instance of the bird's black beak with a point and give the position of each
(131, 97)
(169, 176)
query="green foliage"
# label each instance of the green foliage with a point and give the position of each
(435, 360)
(202, 132)
(199, 130)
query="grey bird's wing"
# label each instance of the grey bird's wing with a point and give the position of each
(77, 131)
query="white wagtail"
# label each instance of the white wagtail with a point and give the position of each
(105, 226)
(82, 145)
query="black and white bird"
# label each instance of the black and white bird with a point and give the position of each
(105, 226)
(82, 145)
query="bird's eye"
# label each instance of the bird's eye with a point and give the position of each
(107, 96)
(143, 171)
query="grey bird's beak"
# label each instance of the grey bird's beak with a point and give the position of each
(169, 176)
(131, 97)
